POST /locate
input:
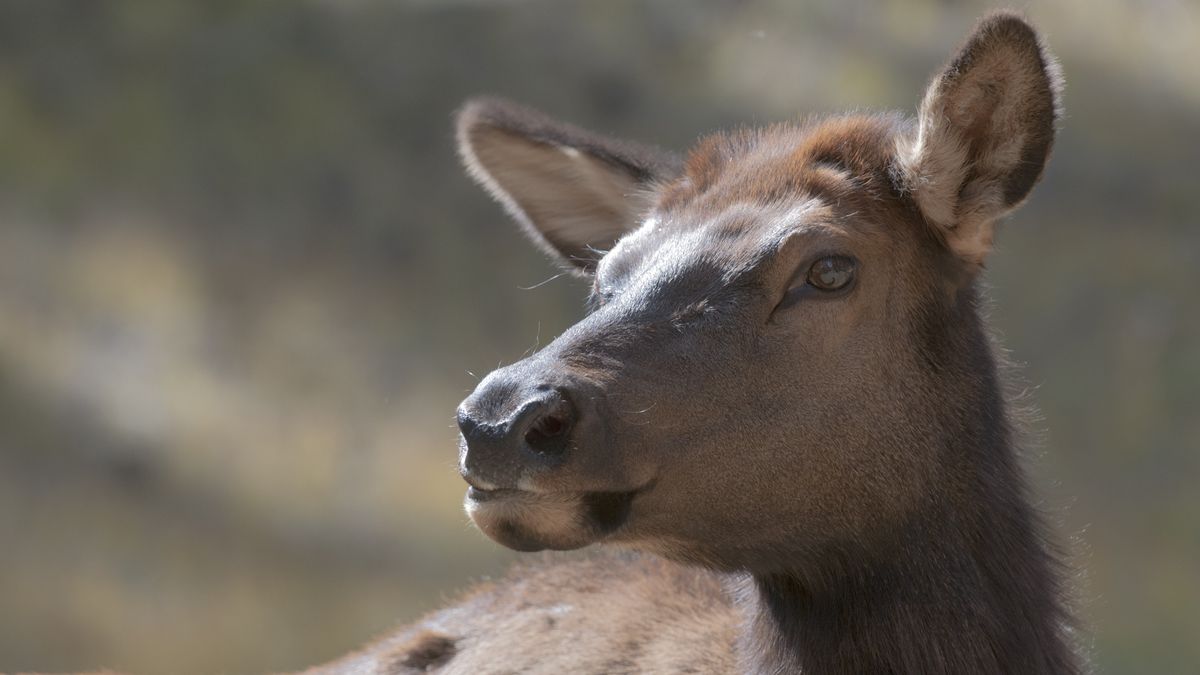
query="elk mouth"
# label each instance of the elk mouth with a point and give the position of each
(480, 495)
(532, 521)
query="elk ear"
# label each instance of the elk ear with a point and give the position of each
(572, 191)
(983, 133)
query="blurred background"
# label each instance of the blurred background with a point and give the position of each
(243, 280)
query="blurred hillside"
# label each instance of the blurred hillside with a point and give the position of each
(243, 280)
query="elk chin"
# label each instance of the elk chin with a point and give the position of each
(535, 521)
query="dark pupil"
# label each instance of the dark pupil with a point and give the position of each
(831, 273)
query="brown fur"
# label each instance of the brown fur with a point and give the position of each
(823, 481)
(679, 618)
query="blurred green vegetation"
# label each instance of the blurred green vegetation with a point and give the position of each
(242, 283)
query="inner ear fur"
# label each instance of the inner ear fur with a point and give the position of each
(573, 192)
(984, 132)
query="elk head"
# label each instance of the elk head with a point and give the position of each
(782, 332)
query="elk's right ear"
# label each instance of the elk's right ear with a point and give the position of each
(572, 191)
(983, 134)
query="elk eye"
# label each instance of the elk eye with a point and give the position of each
(831, 273)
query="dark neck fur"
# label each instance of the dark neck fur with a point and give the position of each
(987, 603)
(968, 585)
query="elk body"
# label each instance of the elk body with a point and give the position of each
(783, 410)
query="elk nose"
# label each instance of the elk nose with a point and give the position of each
(503, 440)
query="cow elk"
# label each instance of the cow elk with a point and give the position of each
(783, 416)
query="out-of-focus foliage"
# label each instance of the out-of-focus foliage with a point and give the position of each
(242, 283)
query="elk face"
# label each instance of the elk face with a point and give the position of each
(760, 363)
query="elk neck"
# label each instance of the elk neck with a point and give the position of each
(968, 584)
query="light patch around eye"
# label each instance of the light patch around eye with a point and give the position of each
(804, 214)
(777, 225)
(837, 172)
(774, 223)
(734, 242)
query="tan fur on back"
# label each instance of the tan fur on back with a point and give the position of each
(564, 615)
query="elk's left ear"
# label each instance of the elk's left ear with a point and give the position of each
(983, 133)
(573, 192)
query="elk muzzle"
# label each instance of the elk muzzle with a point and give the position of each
(510, 432)
(536, 454)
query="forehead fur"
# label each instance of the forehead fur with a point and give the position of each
(828, 159)
(737, 187)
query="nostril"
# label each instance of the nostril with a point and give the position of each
(549, 426)
(545, 429)
(548, 433)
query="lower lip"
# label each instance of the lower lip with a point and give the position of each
(477, 495)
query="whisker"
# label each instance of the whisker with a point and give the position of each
(542, 283)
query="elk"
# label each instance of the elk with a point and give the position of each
(783, 416)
